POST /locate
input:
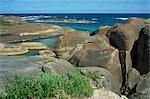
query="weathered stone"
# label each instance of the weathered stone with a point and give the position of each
(143, 88)
(123, 36)
(133, 78)
(71, 39)
(58, 66)
(97, 52)
(19, 65)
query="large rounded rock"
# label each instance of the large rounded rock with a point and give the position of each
(71, 39)
(123, 36)
(97, 52)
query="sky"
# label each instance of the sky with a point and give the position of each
(74, 6)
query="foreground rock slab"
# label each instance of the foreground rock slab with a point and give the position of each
(19, 65)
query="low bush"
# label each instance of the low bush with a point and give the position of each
(47, 85)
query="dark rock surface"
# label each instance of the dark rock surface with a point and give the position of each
(123, 36)
(141, 51)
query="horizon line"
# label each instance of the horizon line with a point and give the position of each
(73, 13)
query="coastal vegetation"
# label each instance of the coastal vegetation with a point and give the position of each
(47, 85)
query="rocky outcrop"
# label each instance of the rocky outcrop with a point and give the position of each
(14, 29)
(97, 52)
(116, 49)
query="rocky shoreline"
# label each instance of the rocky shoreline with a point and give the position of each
(118, 53)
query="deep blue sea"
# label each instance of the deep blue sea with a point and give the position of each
(96, 19)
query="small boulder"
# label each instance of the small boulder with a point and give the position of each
(133, 78)
(143, 88)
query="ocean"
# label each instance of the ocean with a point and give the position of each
(96, 20)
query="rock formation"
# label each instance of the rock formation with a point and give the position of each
(121, 49)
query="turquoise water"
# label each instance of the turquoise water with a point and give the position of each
(47, 41)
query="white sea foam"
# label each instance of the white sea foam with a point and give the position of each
(122, 18)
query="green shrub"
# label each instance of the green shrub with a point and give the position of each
(77, 85)
(47, 85)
